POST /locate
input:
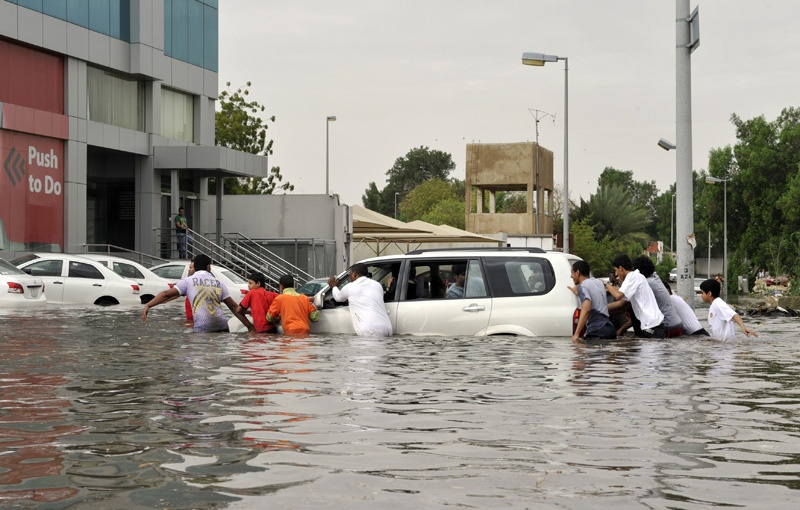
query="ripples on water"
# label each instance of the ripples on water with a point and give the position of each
(99, 411)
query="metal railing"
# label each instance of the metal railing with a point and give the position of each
(238, 253)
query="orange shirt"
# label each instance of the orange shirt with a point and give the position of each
(294, 311)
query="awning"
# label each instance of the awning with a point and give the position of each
(379, 232)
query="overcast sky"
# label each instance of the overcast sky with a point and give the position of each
(444, 73)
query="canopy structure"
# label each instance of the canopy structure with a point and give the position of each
(380, 232)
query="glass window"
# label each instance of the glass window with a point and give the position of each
(180, 29)
(517, 276)
(195, 33)
(168, 28)
(120, 19)
(78, 12)
(210, 38)
(177, 115)
(171, 272)
(99, 16)
(55, 8)
(45, 268)
(7, 268)
(475, 281)
(35, 5)
(115, 100)
(127, 270)
(81, 270)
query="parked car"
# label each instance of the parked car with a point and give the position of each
(21, 290)
(76, 280)
(673, 274)
(179, 269)
(149, 283)
(498, 298)
(311, 287)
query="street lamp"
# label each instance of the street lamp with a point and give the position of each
(395, 203)
(669, 146)
(715, 180)
(539, 59)
(331, 118)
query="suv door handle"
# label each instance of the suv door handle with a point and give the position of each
(97, 285)
(474, 308)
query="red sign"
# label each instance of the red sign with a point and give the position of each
(31, 192)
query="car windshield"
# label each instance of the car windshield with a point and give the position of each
(7, 268)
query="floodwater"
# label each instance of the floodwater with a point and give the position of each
(101, 412)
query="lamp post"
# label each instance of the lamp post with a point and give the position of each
(539, 59)
(715, 180)
(331, 118)
(395, 203)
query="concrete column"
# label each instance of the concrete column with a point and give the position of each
(492, 201)
(148, 201)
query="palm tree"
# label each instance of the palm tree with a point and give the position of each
(615, 216)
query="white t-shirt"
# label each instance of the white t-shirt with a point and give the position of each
(720, 320)
(638, 293)
(687, 315)
(365, 300)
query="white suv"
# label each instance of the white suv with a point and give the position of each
(507, 291)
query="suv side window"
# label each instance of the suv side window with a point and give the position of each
(380, 272)
(445, 279)
(520, 276)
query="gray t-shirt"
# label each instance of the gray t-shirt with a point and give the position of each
(593, 290)
(671, 317)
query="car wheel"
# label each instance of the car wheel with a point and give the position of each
(106, 301)
(146, 299)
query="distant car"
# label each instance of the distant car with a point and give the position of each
(19, 290)
(311, 287)
(673, 274)
(179, 269)
(76, 280)
(149, 283)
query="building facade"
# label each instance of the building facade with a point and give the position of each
(107, 122)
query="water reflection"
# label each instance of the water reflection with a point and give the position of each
(101, 411)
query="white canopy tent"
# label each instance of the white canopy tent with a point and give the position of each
(380, 233)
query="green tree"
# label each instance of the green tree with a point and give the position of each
(642, 193)
(417, 166)
(447, 212)
(239, 126)
(423, 198)
(615, 216)
(598, 252)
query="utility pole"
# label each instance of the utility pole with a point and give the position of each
(538, 202)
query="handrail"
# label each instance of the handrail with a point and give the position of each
(237, 256)
(279, 262)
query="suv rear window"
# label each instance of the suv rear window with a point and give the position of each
(519, 276)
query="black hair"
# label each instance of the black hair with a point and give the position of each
(459, 269)
(666, 284)
(202, 262)
(258, 278)
(582, 267)
(287, 281)
(624, 261)
(359, 269)
(645, 265)
(711, 286)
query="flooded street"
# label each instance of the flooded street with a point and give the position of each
(102, 412)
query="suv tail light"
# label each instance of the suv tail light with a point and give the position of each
(575, 316)
(171, 285)
(243, 291)
(135, 288)
(15, 288)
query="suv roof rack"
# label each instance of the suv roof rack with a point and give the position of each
(491, 249)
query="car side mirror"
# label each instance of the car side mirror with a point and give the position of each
(319, 299)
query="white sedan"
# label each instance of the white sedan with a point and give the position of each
(179, 269)
(75, 280)
(21, 290)
(149, 283)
